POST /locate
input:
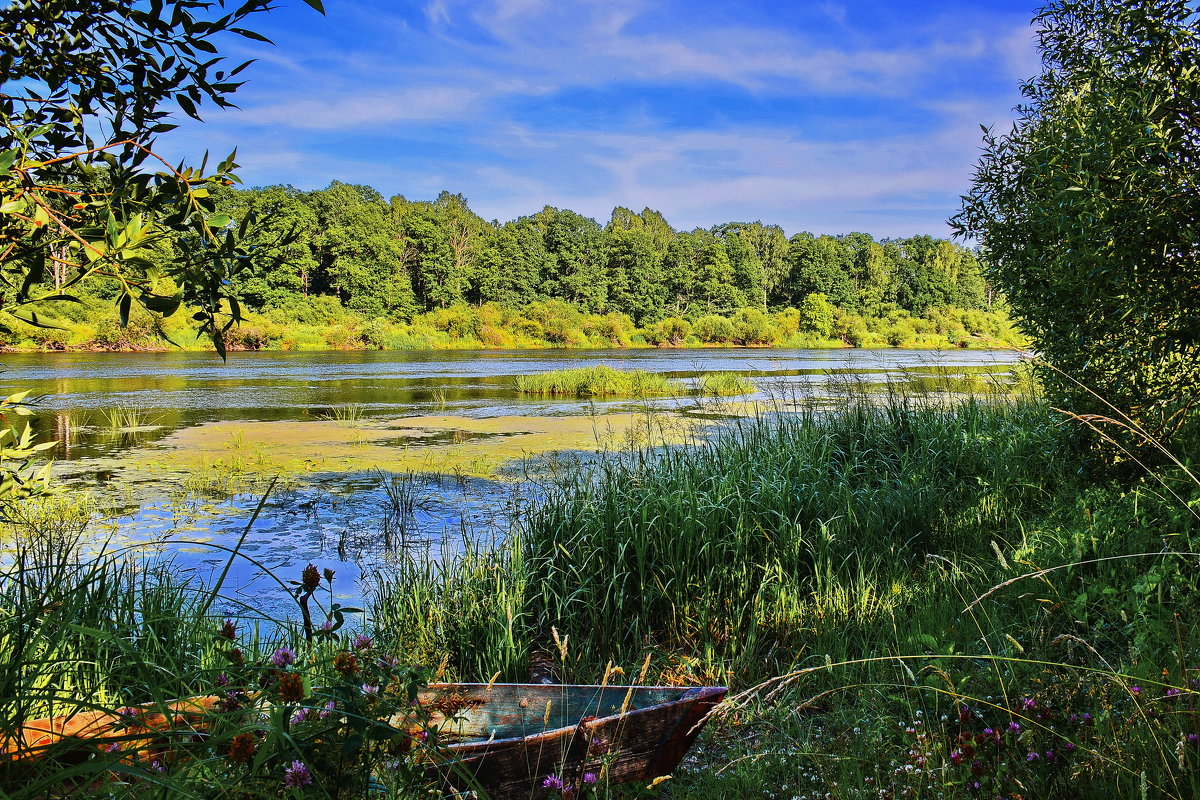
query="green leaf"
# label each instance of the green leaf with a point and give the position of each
(7, 158)
(316, 5)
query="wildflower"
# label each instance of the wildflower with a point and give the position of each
(369, 689)
(1029, 704)
(297, 776)
(1049, 756)
(552, 782)
(291, 688)
(300, 716)
(241, 750)
(1087, 719)
(1193, 738)
(1033, 756)
(1172, 692)
(1014, 727)
(310, 579)
(956, 757)
(590, 778)
(222, 679)
(115, 747)
(329, 574)
(345, 663)
(283, 657)
(156, 765)
(327, 710)
(361, 642)
(235, 656)
(1135, 690)
(228, 630)
(327, 626)
(1069, 746)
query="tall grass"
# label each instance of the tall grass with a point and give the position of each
(938, 599)
(740, 547)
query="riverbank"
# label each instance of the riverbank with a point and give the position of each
(908, 598)
(321, 323)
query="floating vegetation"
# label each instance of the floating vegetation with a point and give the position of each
(604, 381)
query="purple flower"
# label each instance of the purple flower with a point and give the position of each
(1049, 756)
(1193, 738)
(370, 690)
(156, 765)
(1135, 690)
(1087, 718)
(283, 657)
(1069, 746)
(115, 747)
(222, 679)
(327, 710)
(300, 716)
(297, 776)
(590, 778)
(1014, 727)
(956, 757)
(362, 642)
(552, 782)
(327, 626)
(1032, 757)
(988, 732)
(1172, 692)
(1029, 704)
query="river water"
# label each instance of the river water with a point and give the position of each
(382, 454)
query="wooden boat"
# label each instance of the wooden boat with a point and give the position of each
(516, 740)
(502, 740)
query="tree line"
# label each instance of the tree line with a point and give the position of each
(397, 258)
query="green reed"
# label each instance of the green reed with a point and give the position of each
(740, 546)
(604, 381)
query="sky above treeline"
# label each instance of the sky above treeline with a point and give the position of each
(825, 116)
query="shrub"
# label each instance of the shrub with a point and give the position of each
(752, 326)
(714, 330)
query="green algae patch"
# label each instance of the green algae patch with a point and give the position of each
(476, 447)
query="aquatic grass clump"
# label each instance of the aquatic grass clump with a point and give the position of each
(597, 381)
(605, 381)
(126, 418)
(723, 384)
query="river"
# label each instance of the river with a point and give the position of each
(380, 455)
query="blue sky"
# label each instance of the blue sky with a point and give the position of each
(827, 116)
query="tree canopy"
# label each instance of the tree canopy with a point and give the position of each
(1089, 208)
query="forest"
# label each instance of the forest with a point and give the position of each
(342, 267)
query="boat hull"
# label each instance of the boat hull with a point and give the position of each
(512, 739)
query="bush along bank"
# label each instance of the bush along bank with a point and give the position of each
(323, 323)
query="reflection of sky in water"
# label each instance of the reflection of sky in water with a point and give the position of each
(346, 523)
(340, 521)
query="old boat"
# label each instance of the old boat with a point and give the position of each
(503, 740)
(516, 740)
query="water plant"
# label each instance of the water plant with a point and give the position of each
(347, 414)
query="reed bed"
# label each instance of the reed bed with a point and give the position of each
(604, 381)
(744, 544)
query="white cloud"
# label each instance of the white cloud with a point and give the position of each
(364, 111)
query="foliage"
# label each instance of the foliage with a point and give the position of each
(1088, 210)
(73, 207)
